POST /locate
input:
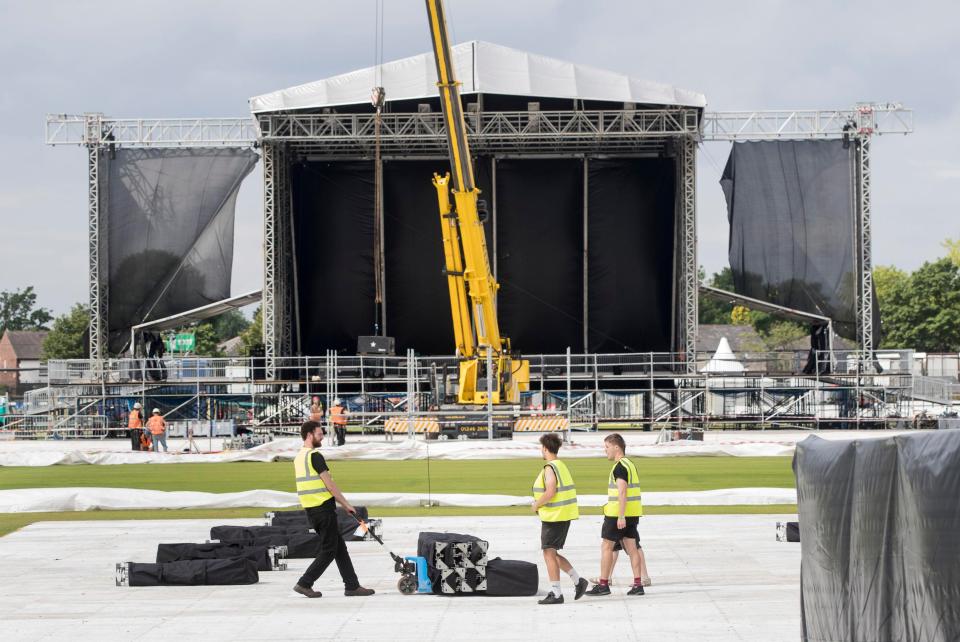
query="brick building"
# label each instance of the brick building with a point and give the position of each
(20, 349)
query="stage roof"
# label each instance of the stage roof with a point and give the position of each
(481, 67)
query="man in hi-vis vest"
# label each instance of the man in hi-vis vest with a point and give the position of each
(555, 501)
(621, 514)
(318, 493)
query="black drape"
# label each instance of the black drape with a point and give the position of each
(630, 236)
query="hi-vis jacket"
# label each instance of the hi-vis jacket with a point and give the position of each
(563, 507)
(310, 488)
(634, 507)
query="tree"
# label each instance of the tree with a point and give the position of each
(252, 337)
(206, 339)
(18, 311)
(782, 333)
(68, 337)
(229, 324)
(923, 311)
(709, 310)
(953, 250)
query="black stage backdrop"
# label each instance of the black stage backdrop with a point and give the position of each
(540, 253)
(630, 215)
(417, 299)
(333, 218)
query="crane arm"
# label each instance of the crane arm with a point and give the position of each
(467, 263)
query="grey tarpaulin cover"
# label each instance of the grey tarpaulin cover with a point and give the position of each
(169, 218)
(880, 537)
(791, 211)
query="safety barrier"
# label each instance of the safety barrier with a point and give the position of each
(396, 425)
(541, 424)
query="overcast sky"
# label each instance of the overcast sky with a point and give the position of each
(175, 58)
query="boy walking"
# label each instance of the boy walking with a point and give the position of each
(555, 501)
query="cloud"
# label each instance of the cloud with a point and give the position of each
(156, 58)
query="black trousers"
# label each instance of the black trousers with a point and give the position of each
(135, 437)
(332, 548)
(341, 432)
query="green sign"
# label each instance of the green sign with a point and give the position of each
(183, 342)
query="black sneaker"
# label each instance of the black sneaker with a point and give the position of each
(551, 599)
(636, 589)
(581, 588)
(599, 589)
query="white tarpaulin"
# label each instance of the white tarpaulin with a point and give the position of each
(401, 449)
(480, 67)
(34, 500)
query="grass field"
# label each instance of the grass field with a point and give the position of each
(500, 477)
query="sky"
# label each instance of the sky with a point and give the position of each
(175, 58)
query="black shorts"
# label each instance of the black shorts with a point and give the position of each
(610, 531)
(618, 546)
(553, 534)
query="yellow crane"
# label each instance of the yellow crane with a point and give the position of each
(467, 266)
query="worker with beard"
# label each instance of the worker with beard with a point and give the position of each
(318, 495)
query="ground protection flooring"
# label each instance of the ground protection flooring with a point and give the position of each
(715, 577)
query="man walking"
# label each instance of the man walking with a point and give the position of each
(555, 501)
(338, 419)
(318, 494)
(157, 426)
(135, 425)
(621, 514)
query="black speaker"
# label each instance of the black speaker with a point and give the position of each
(376, 346)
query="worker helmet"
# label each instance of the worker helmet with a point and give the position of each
(337, 402)
(137, 406)
(156, 411)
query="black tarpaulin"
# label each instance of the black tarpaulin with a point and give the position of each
(791, 211)
(334, 225)
(205, 572)
(169, 220)
(417, 299)
(630, 215)
(214, 550)
(540, 253)
(879, 524)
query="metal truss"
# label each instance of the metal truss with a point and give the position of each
(864, 255)
(340, 135)
(97, 252)
(865, 119)
(270, 276)
(689, 277)
(67, 129)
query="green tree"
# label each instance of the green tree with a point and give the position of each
(953, 250)
(924, 312)
(229, 324)
(781, 333)
(18, 311)
(67, 338)
(205, 339)
(252, 337)
(709, 310)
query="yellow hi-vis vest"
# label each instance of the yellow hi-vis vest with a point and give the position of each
(634, 508)
(563, 507)
(310, 488)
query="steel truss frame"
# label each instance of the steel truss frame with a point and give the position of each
(287, 136)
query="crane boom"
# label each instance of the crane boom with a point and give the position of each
(470, 281)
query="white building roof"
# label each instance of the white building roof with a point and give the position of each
(481, 67)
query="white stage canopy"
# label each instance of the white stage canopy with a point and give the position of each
(481, 67)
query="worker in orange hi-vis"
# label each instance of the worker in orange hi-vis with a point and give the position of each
(158, 428)
(338, 419)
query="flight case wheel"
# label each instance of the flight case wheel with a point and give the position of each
(407, 584)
